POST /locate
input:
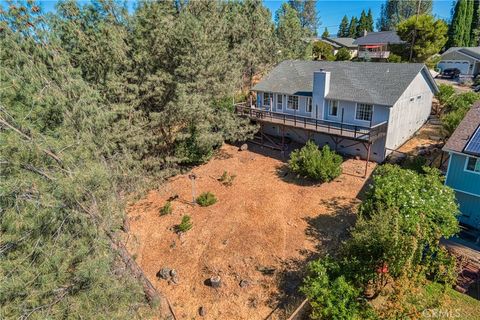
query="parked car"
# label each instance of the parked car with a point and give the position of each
(451, 73)
(476, 89)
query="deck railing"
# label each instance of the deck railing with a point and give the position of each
(322, 126)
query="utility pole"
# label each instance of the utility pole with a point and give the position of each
(414, 31)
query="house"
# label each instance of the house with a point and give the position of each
(362, 109)
(463, 173)
(465, 59)
(340, 42)
(377, 45)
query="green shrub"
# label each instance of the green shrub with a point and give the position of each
(206, 199)
(343, 54)
(185, 225)
(331, 296)
(445, 93)
(166, 209)
(227, 179)
(456, 108)
(394, 58)
(320, 165)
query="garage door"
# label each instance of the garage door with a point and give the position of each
(463, 66)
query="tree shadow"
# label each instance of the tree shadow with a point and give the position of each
(286, 175)
(328, 230)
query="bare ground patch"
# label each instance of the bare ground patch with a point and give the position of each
(263, 229)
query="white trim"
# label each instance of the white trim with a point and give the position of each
(466, 192)
(306, 104)
(298, 103)
(466, 164)
(356, 106)
(276, 102)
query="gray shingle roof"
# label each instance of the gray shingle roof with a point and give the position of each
(344, 42)
(471, 51)
(465, 130)
(368, 82)
(381, 37)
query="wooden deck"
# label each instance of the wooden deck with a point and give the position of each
(343, 130)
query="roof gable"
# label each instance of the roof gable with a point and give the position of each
(368, 82)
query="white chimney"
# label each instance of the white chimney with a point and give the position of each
(321, 87)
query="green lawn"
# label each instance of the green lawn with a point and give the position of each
(451, 304)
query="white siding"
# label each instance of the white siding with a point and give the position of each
(407, 116)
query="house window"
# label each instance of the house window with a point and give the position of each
(293, 102)
(364, 112)
(279, 101)
(333, 108)
(309, 104)
(473, 164)
(267, 98)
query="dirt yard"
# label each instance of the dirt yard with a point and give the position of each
(257, 237)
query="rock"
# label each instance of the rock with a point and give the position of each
(357, 157)
(164, 273)
(244, 283)
(175, 279)
(215, 282)
(243, 147)
(202, 311)
(173, 273)
(435, 138)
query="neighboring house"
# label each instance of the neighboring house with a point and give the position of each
(463, 173)
(338, 43)
(465, 59)
(359, 108)
(376, 45)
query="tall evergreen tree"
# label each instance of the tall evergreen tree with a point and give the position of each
(290, 33)
(362, 24)
(251, 37)
(475, 39)
(343, 28)
(352, 28)
(307, 13)
(369, 21)
(396, 11)
(462, 16)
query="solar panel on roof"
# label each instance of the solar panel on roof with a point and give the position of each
(473, 145)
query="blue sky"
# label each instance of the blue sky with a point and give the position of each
(330, 12)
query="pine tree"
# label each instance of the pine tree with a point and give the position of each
(430, 36)
(362, 24)
(325, 33)
(369, 21)
(396, 11)
(307, 13)
(290, 33)
(352, 28)
(343, 29)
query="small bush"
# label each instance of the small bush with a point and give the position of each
(320, 165)
(332, 296)
(185, 224)
(166, 209)
(343, 55)
(394, 58)
(206, 199)
(445, 93)
(227, 179)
